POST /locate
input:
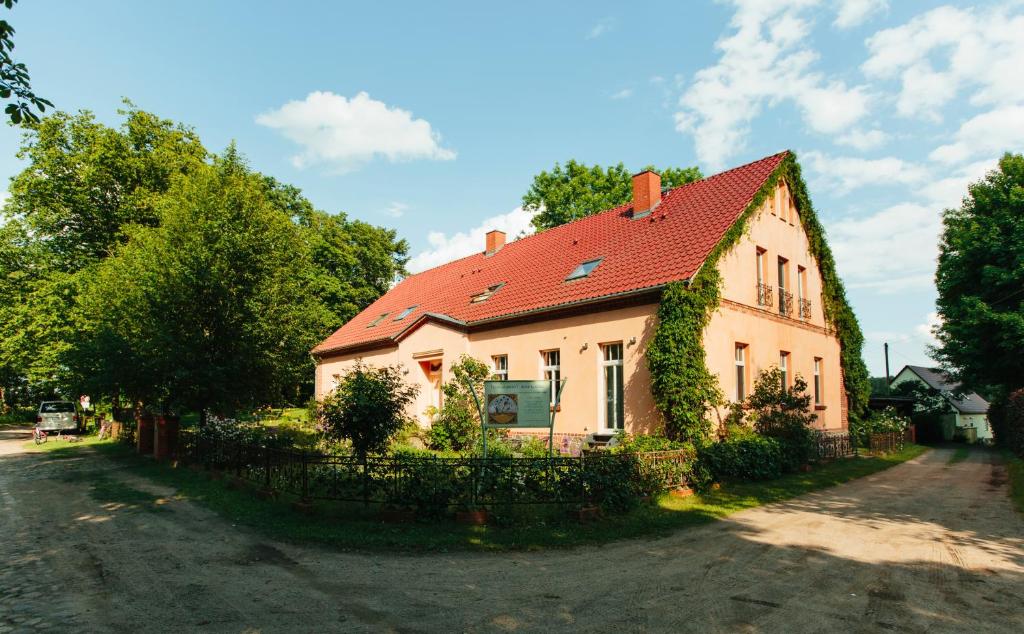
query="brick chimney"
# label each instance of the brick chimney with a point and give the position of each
(646, 191)
(495, 240)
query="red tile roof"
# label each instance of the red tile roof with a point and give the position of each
(668, 245)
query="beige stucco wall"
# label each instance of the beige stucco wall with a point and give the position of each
(579, 339)
(739, 319)
(581, 399)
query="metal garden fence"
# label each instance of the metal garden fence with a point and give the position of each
(431, 483)
(833, 445)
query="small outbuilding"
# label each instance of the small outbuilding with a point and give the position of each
(968, 410)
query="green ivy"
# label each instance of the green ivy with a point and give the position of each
(683, 387)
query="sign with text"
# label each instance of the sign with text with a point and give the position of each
(514, 404)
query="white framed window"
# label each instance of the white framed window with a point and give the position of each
(784, 368)
(583, 270)
(552, 371)
(817, 380)
(741, 372)
(611, 372)
(500, 363)
(801, 279)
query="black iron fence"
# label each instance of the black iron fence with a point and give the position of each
(833, 445)
(434, 484)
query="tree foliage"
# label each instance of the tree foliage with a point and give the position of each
(200, 331)
(457, 426)
(980, 280)
(15, 84)
(576, 190)
(123, 251)
(367, 407)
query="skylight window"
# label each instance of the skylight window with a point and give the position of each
(486, 295)
(405, 313)
(584, 270)
(377, 320)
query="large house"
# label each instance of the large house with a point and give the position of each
(968, 411)
(579, 302)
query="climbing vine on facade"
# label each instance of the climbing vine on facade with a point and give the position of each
(683, 387)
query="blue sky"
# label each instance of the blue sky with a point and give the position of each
(433, 117)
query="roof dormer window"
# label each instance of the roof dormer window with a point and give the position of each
(405, 313)
(377, 320)
(584, 270)
(486, 295)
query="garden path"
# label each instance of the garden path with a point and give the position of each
(925, 546)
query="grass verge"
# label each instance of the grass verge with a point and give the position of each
(352, 529)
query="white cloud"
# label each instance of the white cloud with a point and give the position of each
(4, 195)
(345, 133)
(625, 93)
(855, 12)
(942, 52)
(863, 140)
(890, 251)
(948, 192)
(599, 29)
(845, 174)
(444, 248)
(926, 331)
(395, 209)
(764, 62)
(992, 132)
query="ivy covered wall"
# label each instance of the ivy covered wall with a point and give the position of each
(683, 387)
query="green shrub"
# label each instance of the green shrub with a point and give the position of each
(751, 457)
(783, 412)
(886, 421)
(640, 443)
(1007, 417)
(367, 408)
(457, 425)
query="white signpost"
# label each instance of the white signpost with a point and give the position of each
(518, 405)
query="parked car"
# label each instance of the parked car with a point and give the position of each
(58, 416)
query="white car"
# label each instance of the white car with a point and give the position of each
(57, 416)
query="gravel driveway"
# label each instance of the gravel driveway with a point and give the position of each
(925, 546)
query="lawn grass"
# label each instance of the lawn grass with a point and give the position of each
(1015, 470)
(349, 528)
(959, 455)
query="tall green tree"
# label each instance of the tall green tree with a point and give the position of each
(980, 279)
(15, 84)
(86, 185)
(216, 315)
(575, 190)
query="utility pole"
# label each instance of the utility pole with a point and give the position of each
(886, 346)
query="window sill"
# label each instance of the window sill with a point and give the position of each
(820, 408)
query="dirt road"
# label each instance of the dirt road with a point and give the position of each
(926, 546)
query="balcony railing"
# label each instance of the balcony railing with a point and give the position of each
(764, 295)
(785, 303)
(805, 309)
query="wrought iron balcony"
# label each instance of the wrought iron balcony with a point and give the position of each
(805, 309)
(764, 295)
(785, 303)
